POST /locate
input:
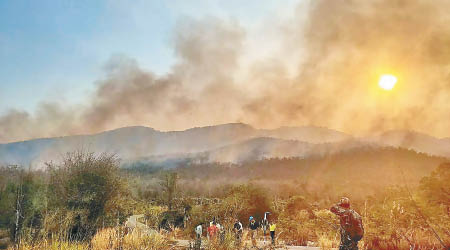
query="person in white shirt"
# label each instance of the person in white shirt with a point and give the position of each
(238, 230)
(198, 233)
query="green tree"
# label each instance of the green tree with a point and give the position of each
(22, 202)
(435, 192)
(437, 186)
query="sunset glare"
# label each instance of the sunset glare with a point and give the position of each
(387, 82)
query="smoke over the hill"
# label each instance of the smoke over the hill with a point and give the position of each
(341, 49)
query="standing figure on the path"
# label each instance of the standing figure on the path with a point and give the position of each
(198, 234)
(351, 228)
(265, 224)
(212, 231)
(253, 231)
(221, 232)
(238, 230)
(272, 227)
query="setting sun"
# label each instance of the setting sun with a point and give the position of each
(387, 82)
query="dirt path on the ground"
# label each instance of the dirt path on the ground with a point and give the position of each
(260, 244)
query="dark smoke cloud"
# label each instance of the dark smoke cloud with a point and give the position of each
(341, 49)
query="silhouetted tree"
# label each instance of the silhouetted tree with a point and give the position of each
(169, 184)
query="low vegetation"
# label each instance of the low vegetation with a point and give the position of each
(84, 201)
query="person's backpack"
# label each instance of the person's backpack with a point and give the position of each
(355, 226)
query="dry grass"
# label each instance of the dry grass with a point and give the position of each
(107, 238)
(104, 239)
(113, 238)
(326, 243)
(137, 240)
(53, 245)
(228, 242)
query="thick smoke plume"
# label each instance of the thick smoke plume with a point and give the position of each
(342, 49)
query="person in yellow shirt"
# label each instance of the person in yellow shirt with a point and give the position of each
(272, 228)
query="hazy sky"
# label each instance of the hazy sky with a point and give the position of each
(77, 66)
(57, 49)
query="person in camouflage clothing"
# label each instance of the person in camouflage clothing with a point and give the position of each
(351, 228)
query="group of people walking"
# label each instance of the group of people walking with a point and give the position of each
(351, 228)
(213, 232)
(216, 232)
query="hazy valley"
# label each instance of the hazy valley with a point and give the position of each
(229, 143)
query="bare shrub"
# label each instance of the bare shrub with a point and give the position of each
(89, 188)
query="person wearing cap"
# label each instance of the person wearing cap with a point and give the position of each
(351, 227)
(253, 231)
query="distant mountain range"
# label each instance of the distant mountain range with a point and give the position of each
(234, 142)
(413, 140)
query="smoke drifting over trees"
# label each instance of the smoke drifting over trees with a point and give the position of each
(340, 48)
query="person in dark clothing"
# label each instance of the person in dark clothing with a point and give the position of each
(253, 231)
(351, 228)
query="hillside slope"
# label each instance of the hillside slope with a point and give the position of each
(234, 142)
(356, 170)
(137, 142)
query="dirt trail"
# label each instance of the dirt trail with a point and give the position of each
(260, 244)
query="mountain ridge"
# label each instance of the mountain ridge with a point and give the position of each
(228, 141)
